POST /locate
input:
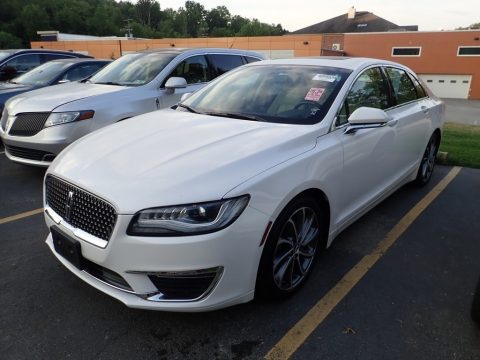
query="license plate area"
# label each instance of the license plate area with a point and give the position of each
(67, 247)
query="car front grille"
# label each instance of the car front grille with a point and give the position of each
(80, 208)
(30, 154)
(28, 124)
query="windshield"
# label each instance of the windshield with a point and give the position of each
(4, 54)
(133, 69)
(41, 75)
(290, 94)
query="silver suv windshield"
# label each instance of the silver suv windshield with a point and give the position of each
(290, 94)
(133, 69)
(41, 75)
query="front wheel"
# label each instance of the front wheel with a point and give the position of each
(427, 164)
(289, 254)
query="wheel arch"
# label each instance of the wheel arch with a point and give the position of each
(321, 198)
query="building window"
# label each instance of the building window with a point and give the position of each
(468, 51)
(406, 51)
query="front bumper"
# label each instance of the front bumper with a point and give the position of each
(41, 148)
(235, 251)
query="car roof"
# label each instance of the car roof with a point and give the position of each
(351, 63)
(17, 51)
(80, 60)
(179, 51)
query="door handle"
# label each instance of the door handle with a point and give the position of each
(424, 109)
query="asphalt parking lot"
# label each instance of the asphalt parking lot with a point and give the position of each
(413, 303)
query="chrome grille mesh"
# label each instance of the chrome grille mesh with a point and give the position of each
(87, 212)
(28, 124)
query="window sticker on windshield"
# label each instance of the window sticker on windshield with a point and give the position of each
(314, 94)
(325, 77)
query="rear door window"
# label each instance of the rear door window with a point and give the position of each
(402, 86)
(223, 62)
(421, 93)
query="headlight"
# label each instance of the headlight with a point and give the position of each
(69, 116)
(183, 220)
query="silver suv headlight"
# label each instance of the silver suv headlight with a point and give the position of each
(191, 219)
(67, 117)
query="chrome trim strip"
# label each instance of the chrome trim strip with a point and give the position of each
(79, 233)
(113, 286)
(158, 297)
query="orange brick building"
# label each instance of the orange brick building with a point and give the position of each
(448, 61)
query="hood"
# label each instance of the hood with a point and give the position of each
(51, 97)
(8, 90)
(172, 157)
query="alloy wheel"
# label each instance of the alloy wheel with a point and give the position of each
(295, 249)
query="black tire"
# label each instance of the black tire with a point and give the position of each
(427, 164)
(475, 310)
(295, 252)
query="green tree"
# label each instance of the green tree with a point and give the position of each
(218, 18)
(8, 41)
(32, 19)
(195, 13)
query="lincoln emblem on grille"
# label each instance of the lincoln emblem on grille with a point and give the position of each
(68, 206)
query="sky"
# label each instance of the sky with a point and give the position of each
(297, 14)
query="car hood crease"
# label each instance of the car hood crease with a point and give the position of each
(49, 98)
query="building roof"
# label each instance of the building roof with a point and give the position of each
(358, 21)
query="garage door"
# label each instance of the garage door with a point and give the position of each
(448, 86)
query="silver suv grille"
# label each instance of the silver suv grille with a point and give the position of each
(79, 208)
(28, 124)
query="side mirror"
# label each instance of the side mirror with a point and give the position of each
(185, 96)
(366, 118)
(175, 83)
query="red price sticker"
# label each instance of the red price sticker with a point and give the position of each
(314, 94)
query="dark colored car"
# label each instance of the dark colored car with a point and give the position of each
(51, 73)
(17, 62)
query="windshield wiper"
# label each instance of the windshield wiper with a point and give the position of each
(109, 83)
(189, 108)
(236, 116)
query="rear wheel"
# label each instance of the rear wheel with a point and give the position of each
(290, 251)
(427, 164)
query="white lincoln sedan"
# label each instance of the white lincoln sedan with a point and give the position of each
(235, 193)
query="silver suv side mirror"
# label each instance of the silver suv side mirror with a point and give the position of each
(175, 83)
